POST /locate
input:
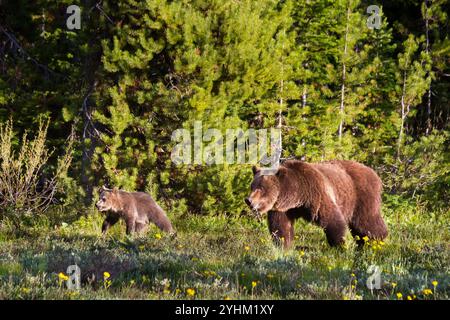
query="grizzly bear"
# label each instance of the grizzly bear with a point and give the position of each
(335, 195)
(136, 208)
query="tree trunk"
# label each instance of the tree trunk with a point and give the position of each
(341, 108)
(429, 125)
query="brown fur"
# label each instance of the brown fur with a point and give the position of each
(334, 195)
(136, 208)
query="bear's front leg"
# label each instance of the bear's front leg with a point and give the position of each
(131, 225)
(111, 219)
(281, 228)
(335, 229)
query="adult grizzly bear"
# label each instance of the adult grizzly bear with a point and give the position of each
(333, 194)
(136, 208)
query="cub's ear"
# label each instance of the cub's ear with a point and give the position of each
(103, 188)
(255, 169)
(115, 190)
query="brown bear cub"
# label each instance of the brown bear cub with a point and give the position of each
(136, 208)
(335, 195)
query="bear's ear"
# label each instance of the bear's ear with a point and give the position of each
(279, 171)
(255, 169)
(103, 188)
(115, 190)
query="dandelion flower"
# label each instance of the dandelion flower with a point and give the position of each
(158, 236)
(399, 295)
(427, 292)
(301, 253)
(409, 297)
(365, 238)
(434, 283)
(106, 275)
(246, 248)
(254, 283)
(393, 284)
(190, 292)
(227, 298)
(63, 277)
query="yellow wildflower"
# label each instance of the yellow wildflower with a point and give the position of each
(227, 298)
(434, 283)
(247, 248)
(158, 236)
(190, 292)
(393, 284)
(254, 283)
(399, 295)
(106, 275)
(409, 297)
(63, 277)
(365, 238)
(427, 292)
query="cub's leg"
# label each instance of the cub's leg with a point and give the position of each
(131, 225)
(140, 227)
(111, 219)
(281, 228)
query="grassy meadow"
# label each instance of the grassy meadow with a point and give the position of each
(226, 258)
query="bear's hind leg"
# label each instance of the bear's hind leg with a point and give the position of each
(368, 223)
(281, 228)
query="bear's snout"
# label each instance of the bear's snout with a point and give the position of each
(248, 202)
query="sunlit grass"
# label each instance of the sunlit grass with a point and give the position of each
(226, 258)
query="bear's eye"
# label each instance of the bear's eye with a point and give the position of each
(103, 199)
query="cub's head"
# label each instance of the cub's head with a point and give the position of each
(108, 200)
(264, 191)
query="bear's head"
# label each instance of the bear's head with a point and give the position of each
(265, 190)
(108, 200)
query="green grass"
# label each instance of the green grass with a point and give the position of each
(223, 257)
